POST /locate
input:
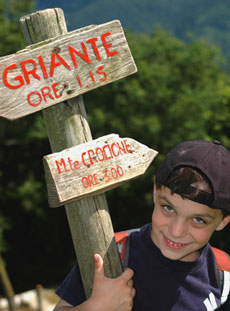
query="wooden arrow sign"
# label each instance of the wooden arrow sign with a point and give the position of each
(58, 69)
(94, 167)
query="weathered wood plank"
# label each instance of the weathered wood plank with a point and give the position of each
(94, 167)
(58, 69)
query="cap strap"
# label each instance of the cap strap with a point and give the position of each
(191, 193)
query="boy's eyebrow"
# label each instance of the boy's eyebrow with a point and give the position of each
(204, 216)
(195, 215)
(166, 199)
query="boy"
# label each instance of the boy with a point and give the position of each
(171, 265)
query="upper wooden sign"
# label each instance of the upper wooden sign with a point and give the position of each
(94, 167)
(55, 70)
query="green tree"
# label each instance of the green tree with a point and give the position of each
(11, 39)
(35, 247)
(21, 186)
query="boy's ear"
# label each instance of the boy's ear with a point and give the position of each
(223, 223)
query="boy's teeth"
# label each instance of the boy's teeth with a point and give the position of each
(175, 244)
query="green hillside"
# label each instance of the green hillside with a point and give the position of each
(207, 19)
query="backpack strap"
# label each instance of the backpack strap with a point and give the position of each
(121, 238)
(222, 259)
(123, 242)
(223, 266)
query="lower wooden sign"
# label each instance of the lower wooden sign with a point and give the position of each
(94, 167)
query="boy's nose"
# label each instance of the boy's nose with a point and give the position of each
(177, 228)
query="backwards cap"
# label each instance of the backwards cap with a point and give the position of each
(212, 159)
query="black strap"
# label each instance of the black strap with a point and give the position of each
(221, 279)
(127, 247)
(126, 256)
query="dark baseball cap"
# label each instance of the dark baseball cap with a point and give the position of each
(211, 159)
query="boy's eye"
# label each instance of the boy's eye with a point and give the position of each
(168, 208)
(199, 220)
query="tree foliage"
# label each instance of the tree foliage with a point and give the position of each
(11, 39)
(188, 19)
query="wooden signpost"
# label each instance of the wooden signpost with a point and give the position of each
(62, 66)
(94, 168)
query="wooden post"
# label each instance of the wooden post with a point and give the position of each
(67, 126)
(39, 289)
(7, 286)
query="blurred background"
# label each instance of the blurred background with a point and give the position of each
(180, 92)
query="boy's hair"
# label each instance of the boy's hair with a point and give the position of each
(180, 182)
(197, 162)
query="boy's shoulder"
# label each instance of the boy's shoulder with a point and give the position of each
(122, 241)
(222, 261)
(223, 266)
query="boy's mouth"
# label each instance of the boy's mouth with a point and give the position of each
(173, 245)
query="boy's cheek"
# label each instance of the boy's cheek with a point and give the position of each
(201, 236)
(157, 218)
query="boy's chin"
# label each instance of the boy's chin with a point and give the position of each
(182, 256)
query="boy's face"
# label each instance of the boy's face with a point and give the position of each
(181, 226)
